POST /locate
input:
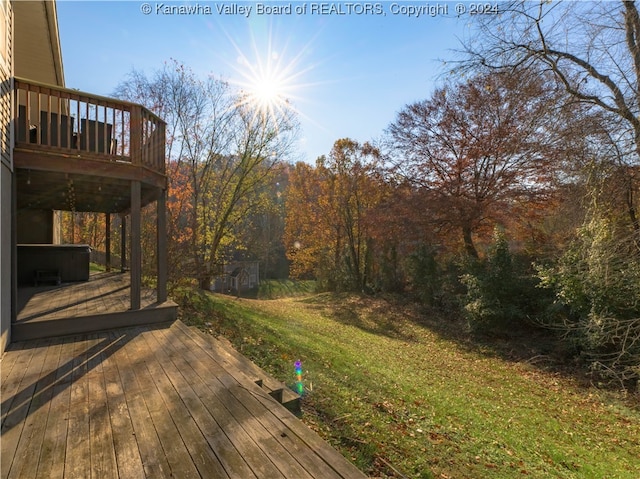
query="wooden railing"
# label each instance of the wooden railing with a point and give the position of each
(51, 118)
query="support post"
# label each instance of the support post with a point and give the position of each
(123, 244)
(107, 241)
(136, 247)
(161, 231)
(14, 247)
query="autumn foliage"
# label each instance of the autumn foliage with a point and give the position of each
(507, 196)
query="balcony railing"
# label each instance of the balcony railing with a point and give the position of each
(55, 119)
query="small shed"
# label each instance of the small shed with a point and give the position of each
(237, 276)
(239, 279)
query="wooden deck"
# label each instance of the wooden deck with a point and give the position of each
(150, 401)
(98, 304)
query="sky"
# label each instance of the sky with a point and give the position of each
(346, 72)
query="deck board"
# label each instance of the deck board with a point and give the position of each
(147, 402)
(229, 414)
(124, 442)
(17, 406)
(217, 401)
(34, 428)
(258, 428)
(52, 453)
(78, 454)
(172, 386)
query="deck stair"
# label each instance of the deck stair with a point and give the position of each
(221, 350)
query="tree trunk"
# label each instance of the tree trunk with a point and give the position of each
(469, 247)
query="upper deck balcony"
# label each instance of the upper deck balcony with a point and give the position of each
(77, 151)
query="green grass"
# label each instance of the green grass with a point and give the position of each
(285, 288)
(280, 288)
(401, 399)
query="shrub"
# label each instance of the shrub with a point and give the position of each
(597, 286)
(500, 294)
(425, 275)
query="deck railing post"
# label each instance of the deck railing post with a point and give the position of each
(135, 135)
(162, 141)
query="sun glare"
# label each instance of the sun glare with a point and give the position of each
(268, 92)
(267, 85)
(271, 77)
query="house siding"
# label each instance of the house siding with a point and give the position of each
(6, 170)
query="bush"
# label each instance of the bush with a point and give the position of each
(597, 286)
(425, 275)
(500, 296)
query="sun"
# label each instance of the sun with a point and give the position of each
(267, 91)
(272, 75)
(267, 82)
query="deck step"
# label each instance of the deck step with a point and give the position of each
(276, 389)
(223, 351)
(34, 329)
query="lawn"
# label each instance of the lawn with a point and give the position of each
(402, 398)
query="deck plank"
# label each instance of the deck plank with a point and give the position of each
(186, 411)
(52, 454)
(312, 441)
(174, 448)
(265, 437)
(103, 457)
(217, 402)
(78, 451)
(9, 361)
(154, 461)
(278, 462)
(148, 402)
(33, 431)
(17, 364)
(17, 407)
(128, 458)
(194, 396)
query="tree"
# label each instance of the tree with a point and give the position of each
(476, 149)
(353, 192)
(328, 228)
(593, 51)
(306, 235)
(233, 184)
(222, 147)
(262, 231)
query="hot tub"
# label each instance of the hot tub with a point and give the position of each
(71, 261)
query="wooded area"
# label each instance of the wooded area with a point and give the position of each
(509, 194)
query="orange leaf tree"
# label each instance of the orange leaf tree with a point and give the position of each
(329, 230)
(476, 149)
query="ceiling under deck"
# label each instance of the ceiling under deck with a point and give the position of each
(76, 192)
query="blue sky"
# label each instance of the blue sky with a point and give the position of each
(347, 75)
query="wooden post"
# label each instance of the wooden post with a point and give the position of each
(135, 132)
(107, 241)
(123, 244)
(161, 232)
(14, 248)
(136, 247)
